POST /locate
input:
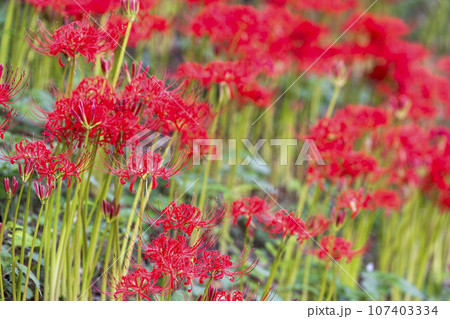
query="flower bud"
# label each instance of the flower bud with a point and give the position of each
(401, 105)
(338, 73)
(131, 8)
(27, 171)
(110, 211)
(106, 64)
(339, 217)
(10, 191)
(43, 191)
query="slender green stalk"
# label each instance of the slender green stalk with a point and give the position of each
(24, 235)
(13, 243)
(205, 292)
(323, 284)
(30, 259)
(130, 221)
(122, 49)
(2, 231)
(333, 101)
(273, 269)
(106, 264)
(139, 221)
(6, 36)
(306, 277)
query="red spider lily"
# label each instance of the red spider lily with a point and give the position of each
(323, 5)
(240, 76)
(348, 165)
(12, 85)
(131, 8)
(10, 189)
(110, 210)
(146, 165)
(8, 122)
(410, 152)
(166, 108)
(444, 65)
(138, 283)
(144, 26)
(175, 257)
(203, 2)
(76, 38)
(436, 181)
(317, 225)
(238, 73)
(77, 8)
(336, 248)
(94, 106)
(285, 223)
(43, 191)
(228, 296)
(186, 218)
(394, 59)
(228, 26)
(384, 198)
(37, 157)
(349, 124)
(250, 207)
(355, 201)
(214, 265)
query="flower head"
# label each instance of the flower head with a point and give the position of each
(250, 207)
(12, 84)
(138, 282)
(7, 122)
(286, 223)
(186, 218)
(355, 201)
(35, 157)
(145, 165)
(10, 189)
(336, 248)
(73, 39)
(174, 257)
(131, 8)
(226, 295)
(212, 264)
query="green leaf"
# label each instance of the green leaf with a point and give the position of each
(379, 283)
(28, 239)
(32, 276)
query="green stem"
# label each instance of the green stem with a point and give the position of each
(205, 292)
(2, 231)
(106, 264)
(306, 277)
(273, 269)
(30, 259)
(13, 243)
(333, 101)
(6, 36)
(130, 221)
(121, 49)
(24, 235)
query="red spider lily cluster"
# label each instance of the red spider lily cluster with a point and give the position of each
(180, 259)
(135, 86)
